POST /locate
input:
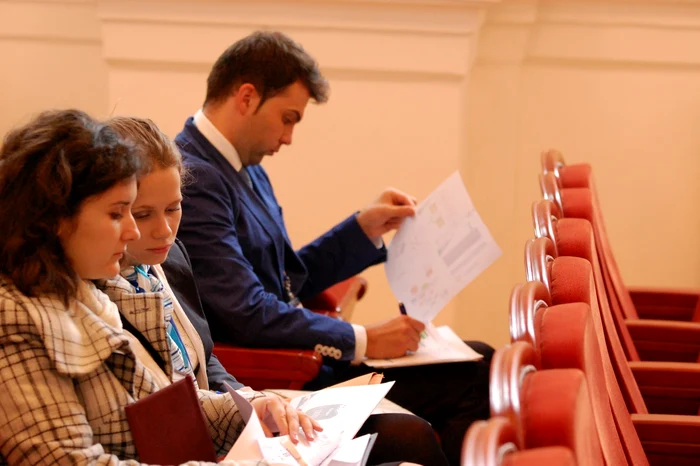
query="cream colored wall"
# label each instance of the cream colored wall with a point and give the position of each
(51, 57)
(614, 83)
(391, 119)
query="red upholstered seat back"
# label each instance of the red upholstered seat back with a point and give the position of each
(576, 239)
(486, 442)
(578, 199)
(492, 443)
(548, 224)
(581, 202)
(547, 408)
(567, 338)
(581, 176)
(564, 336)
(551, 456)
(572, 282)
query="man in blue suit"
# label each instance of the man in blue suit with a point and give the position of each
(251, 279)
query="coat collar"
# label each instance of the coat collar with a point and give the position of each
(144, 311)
(77, 340)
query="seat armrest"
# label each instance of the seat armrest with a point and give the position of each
(269, 368)
(669, 387)
(665, 340)
(339, 300)
(666, 304)
(669, 439)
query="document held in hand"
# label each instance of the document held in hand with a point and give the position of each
(438, 345)
(340, 411)
(435, 254)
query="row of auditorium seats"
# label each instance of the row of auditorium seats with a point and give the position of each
(596, 374)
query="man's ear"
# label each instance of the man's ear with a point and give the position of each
(246, 99)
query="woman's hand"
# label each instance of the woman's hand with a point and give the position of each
(287, 418)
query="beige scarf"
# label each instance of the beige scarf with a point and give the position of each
(101, 306)
(99, 303)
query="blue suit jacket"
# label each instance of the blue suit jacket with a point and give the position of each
(178, 271)
(239, 249)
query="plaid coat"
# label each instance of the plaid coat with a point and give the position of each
(65, 377)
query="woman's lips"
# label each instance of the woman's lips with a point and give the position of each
(161, 250)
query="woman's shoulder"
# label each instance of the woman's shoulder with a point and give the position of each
(12, 300)
(17, 310)
(77, 337)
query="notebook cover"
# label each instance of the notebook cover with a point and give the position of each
(169, 427)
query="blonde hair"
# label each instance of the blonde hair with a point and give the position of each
(157, 151)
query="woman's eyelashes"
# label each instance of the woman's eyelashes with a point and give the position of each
(144, 214)
(141, 214)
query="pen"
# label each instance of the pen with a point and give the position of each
(402, 310)
(289, 446)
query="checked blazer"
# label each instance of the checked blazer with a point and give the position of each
(66, 375)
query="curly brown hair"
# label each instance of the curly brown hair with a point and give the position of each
(48, 168)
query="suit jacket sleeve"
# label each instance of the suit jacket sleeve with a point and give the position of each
(341, 253)
(238, 308)
(217, 375)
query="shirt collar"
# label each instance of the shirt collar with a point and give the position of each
(218, 140)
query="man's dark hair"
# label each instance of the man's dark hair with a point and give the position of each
(270, 61)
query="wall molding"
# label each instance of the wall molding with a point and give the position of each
(366, 36)
(70, 21)
(592, 33)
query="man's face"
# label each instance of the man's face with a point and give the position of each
(271, 125)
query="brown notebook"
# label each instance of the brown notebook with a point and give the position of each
(169, 427)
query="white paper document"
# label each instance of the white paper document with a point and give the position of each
(312, 453)
(384, 407)
(246, 446)
(352, 453)
(435, 254)
(438, 345)
(340, 411)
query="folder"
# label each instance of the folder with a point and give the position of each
(169, 427)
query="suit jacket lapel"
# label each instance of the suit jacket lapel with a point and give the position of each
(293, 266)
(249, 199)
